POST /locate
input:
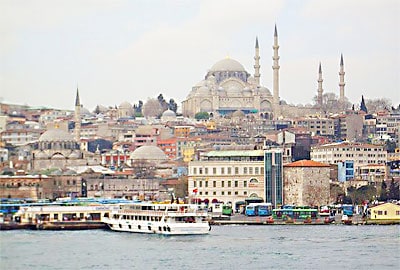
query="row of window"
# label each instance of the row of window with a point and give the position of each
(222, 193)
(225, 183)
(226, 170)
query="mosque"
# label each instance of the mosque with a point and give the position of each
(229, 88)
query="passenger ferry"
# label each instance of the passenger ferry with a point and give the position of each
(167, 219)
(77, 217)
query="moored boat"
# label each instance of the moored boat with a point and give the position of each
(167, 219)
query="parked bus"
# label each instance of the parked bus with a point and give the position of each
(348, 210)
(227, 209)
(295, 213)
(259, 209)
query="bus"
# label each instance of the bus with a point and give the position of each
(348, 210)
(295, 213)
(259, 209)
(227, 209)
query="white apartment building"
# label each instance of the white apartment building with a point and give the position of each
(228, 176)
(361, 154)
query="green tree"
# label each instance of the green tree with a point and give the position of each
(202, 115)
(394, 191)
(383, 194)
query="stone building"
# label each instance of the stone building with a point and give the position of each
(306, 182)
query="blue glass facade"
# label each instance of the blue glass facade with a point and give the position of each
(273, 167)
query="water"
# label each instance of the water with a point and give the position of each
(226, 247)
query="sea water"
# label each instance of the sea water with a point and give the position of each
(226, 247)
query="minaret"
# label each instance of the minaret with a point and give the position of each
(275, 68)
(77, 117)
(320, 90)
(341, 78)
(257, 64)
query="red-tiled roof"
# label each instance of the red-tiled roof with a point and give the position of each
(306, 163)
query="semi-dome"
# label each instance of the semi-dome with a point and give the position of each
(148, 152)
(227, 64)
(56, 134)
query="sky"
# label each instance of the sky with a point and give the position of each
(120, 50)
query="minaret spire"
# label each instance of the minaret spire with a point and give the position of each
(320, 90)
(77, 116)
(257, 63)
(341, 80)
(275, 69)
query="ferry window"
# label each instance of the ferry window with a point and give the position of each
(81, 215)
(56, 216)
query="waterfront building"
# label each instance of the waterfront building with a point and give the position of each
(359, 153)
(306, 182)
(227, 176)
(273, 176)
(386, 211)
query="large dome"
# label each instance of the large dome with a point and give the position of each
(227, 64)
(149, 152)
(56, 135)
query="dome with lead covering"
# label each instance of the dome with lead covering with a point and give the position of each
(148, 152)
(55, 135)
(227, 64)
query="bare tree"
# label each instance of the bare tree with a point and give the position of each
(332, 104)
(378, 104)
(152, 108)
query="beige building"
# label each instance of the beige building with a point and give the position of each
(228, 176)
(361, 154)
(306, 182)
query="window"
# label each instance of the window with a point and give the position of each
(229, 170)
(222, 184)
(245, 170)
(200, 170)
(222, 192)
(236, 170)
(236, 183)
(214, 170)
(251, 170)
(244, 183)
(229, 183)
(194, 170)
(256, 170)
(214, 183)
(222, 170)
(236, 193)
(206, 183)
(245, 193)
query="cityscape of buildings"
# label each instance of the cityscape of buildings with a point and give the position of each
(233, 141)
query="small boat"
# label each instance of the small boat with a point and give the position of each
(167, 219)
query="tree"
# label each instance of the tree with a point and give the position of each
(394, 191)
(97, 109)
(378, 104)
(331, 103)
(163, 103)
(152, 108)
(172, 105)
(202, 115)
(383, 194)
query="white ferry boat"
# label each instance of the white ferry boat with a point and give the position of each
(168, 219)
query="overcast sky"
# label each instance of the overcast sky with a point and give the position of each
(124, 50)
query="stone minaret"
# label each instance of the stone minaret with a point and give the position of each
(320, 90)
(257, 64)
(341, 78)
(77, 117)
(275, 68)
